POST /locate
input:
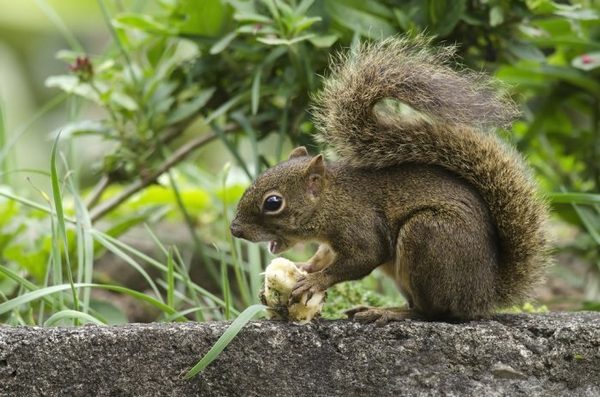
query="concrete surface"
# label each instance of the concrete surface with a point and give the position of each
(513, 355)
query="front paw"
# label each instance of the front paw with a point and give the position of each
(310, 284)
(306, 267)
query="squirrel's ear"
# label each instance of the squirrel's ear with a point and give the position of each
(317, 165)
(300, 151)
(316, 174)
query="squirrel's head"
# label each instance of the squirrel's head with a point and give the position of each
(279, 205)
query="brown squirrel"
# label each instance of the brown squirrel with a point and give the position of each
(430, 196)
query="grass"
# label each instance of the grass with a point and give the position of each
(175, 294)
(231, 332)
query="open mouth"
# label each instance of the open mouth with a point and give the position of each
(276, 246)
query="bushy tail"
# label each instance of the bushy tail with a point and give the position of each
(458, 106)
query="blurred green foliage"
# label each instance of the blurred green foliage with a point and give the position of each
(179, 74)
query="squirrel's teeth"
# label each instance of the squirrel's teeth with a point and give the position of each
(272, 246)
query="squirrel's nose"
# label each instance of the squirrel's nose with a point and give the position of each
(236, 230)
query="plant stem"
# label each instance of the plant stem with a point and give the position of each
(98, 190)
(104, 208)
(596, 140)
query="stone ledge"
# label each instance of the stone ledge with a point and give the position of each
(528, 355)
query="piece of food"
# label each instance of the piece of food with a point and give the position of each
(280, 277)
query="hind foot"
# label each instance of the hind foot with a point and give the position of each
(379, 316)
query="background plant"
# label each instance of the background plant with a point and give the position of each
(184, 87)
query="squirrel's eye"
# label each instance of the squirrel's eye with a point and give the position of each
(273, 203)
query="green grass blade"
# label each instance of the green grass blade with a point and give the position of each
(23, 282)
(85, 244)
(255, 97)
(6, 160)
(156, 240)
(183, 313)
(225, 339)
(231, 148)
(31, 204)
(170, 279)
(575, 198)
(61, 237)
(183, 271)
(129, 260)
(283, 129)
(44, 292)
(225, 289)
(16, 135)
(588, 222)
(255, 269)
(115, 36)
(159, 266)
(56, 256)
(189, 222)
(60, 25)
(81, 317)
(251, 133)
(237, 265)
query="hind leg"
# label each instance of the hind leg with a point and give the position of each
(447, 264)
(383, 315)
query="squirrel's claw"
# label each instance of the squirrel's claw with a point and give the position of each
(350, 313)
(378, 316)
(310, 284)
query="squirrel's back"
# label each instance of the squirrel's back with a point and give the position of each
(455, 110)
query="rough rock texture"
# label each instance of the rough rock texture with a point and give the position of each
(516, 355)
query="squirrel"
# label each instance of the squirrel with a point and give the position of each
(431, 196)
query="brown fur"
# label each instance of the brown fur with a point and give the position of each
(450, 207)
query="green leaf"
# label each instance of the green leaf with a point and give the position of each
(273, 10)
(70, 84)
(323, 41)
(255, 97)
(31, 260)
(496, 16)
(527, 51)
(576, 12)
(403, 19)
(142, 22)
(303, 6)
(357, 20)
(305, 23)
(252, 17)
(189, 108)
(225, 339)
(541, 6)
(205, 18)
(280, 41)
(83, 127)
(443, 15)
(533, 74)
(123, 100)
(221, 44)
